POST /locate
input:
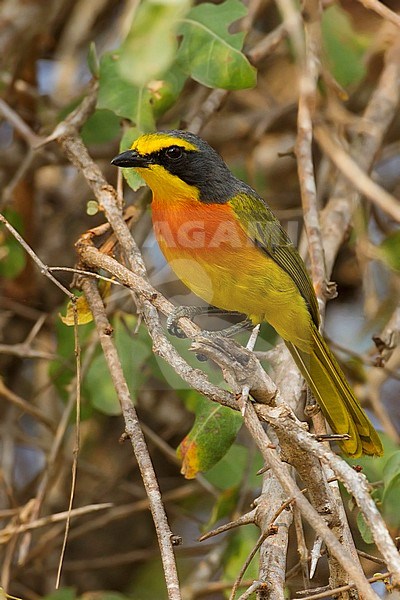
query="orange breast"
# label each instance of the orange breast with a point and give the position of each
(198, 230)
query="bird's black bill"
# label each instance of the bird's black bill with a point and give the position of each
(130, 158)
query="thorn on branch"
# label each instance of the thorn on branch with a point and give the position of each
(176, 540)
(331, 437)
(330, 290)
(384, 347)
(357, 468)
(246, 519)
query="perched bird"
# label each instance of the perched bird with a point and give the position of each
(222, 240)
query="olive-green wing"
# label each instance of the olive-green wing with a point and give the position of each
(264, 229)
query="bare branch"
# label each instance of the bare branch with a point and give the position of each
(310, 514)
(355, 175)
(135, 434)
(382, 107)
(307, 102)
(382, 10)
(43, 268)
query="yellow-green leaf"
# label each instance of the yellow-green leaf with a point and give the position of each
(151, 44)
(390, 251)
(84, 314)
(344, 47)
(211, 436)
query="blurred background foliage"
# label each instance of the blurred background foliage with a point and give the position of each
(156, 62)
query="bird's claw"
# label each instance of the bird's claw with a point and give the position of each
(174, 329)
(181, 312)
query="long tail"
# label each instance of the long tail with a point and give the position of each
(336, 398)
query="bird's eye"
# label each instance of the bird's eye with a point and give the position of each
(174, 152)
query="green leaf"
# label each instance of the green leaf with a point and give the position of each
(123, 98)
(63, 369)
(98, 387)
(67, 593)
(240, 544)
(209, 53)
(102, 595)
(364, 529)
(133, 350)
(390, 251)
(148, 582)
(12, 255)
(151, 44)
(391, 468)
(230, 471)
(390, 502)
(344, 47)
(131, 175)
(102, 126)
(224, 506)
(93, 60)
(212, 434)
(391, 490)
(167, 89)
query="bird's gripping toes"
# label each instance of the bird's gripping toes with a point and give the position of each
(225, 244)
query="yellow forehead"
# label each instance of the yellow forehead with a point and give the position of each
(152, 142)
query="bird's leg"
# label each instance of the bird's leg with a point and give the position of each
(194, 311)
(189, 312)
(249, 346)
(311, 407)
(230, 331)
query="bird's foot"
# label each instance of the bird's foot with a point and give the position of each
(191, 312)
(180, 312)
(311, 407)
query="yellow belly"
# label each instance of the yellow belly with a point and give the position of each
(248, 281)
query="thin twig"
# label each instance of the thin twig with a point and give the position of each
(344, 588)
(25, 406)
(307, 102)
(254, 587)
(379, 113)
(78, 376)
(245, 519)
(135, 434)
(43, 268)
(355, 175)
(83, 272)
(246, 564)
(19, 124)
(383, 11)
(268, 44)
(12, 530)
(284, 423)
